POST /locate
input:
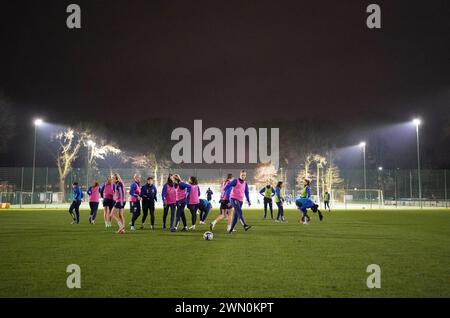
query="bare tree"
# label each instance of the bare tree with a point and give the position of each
(332, 177)
(151, 162)
(265, 173)
(70, 143)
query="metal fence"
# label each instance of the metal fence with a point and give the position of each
(388, 187)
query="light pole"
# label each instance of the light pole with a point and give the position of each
(417, 123)
(363, 146)
(37, 122)
(380, 170)
(91, 144)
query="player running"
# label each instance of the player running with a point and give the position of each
(225, 205)
(77, 196)
(148, 194)
(135, 200)
(279, 200)
(107, 194)
(193, 200)
(304, 203)
(119, 203)
(168, 195)
(238, 188)
(267, 192)
(94, 198)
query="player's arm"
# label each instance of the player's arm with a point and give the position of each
(247, 194)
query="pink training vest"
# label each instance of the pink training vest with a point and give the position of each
(237, 192)
(118, 193)
(224, 195)
(170, 195)
(108, 191)
(180, 194)
(137, 191)
(193, 195)
(95, 194)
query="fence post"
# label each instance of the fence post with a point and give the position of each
(445, 187)
(46, 187)
(21, 188)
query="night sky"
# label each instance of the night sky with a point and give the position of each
(227, 62)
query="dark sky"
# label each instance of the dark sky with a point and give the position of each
(226, 62)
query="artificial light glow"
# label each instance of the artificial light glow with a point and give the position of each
(417, 121)
(362, 144)
(38, 122)
(380, 168)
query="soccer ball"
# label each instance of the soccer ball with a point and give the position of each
(208, 236)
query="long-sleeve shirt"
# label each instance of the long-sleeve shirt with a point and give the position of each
(77, 194)
(306, 193)
(149, 192)
(278, 194)
(263, 190)
(135, 190)
(230, 185)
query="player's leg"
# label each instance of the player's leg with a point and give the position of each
(71, 209)
(172, 216)
(152, 215)
(77, 210)
(279, 212)
(94, 214)
(193, 209)
(145, 208)
(165, 212)
(271, 208)
(265, 207)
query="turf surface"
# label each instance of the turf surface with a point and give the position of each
(327, 259)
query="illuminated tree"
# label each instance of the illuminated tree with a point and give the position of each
(265, 173)
(332, 177)
(69, 142)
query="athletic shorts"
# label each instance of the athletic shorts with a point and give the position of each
(108, 203)
(119, 205)
(224, 204)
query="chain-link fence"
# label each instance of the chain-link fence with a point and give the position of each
(383, 187)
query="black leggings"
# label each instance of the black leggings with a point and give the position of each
(268, 202)
(75, 206)
(193, 208)
(280, 215)
(135, 208)
(172, 214)
(146, 207)
(94, 209)
(180, 213)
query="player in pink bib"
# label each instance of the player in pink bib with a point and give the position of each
(237, 189)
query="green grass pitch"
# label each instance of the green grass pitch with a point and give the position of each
(327, 259)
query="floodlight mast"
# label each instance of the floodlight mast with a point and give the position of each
(37, 123)
(417, 122)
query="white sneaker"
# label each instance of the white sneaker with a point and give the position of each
(151, 227)
(192, 227)
(132, 228)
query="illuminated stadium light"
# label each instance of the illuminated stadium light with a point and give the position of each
(38, 122)
(417, 121)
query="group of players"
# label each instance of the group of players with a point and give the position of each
(177, 195)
